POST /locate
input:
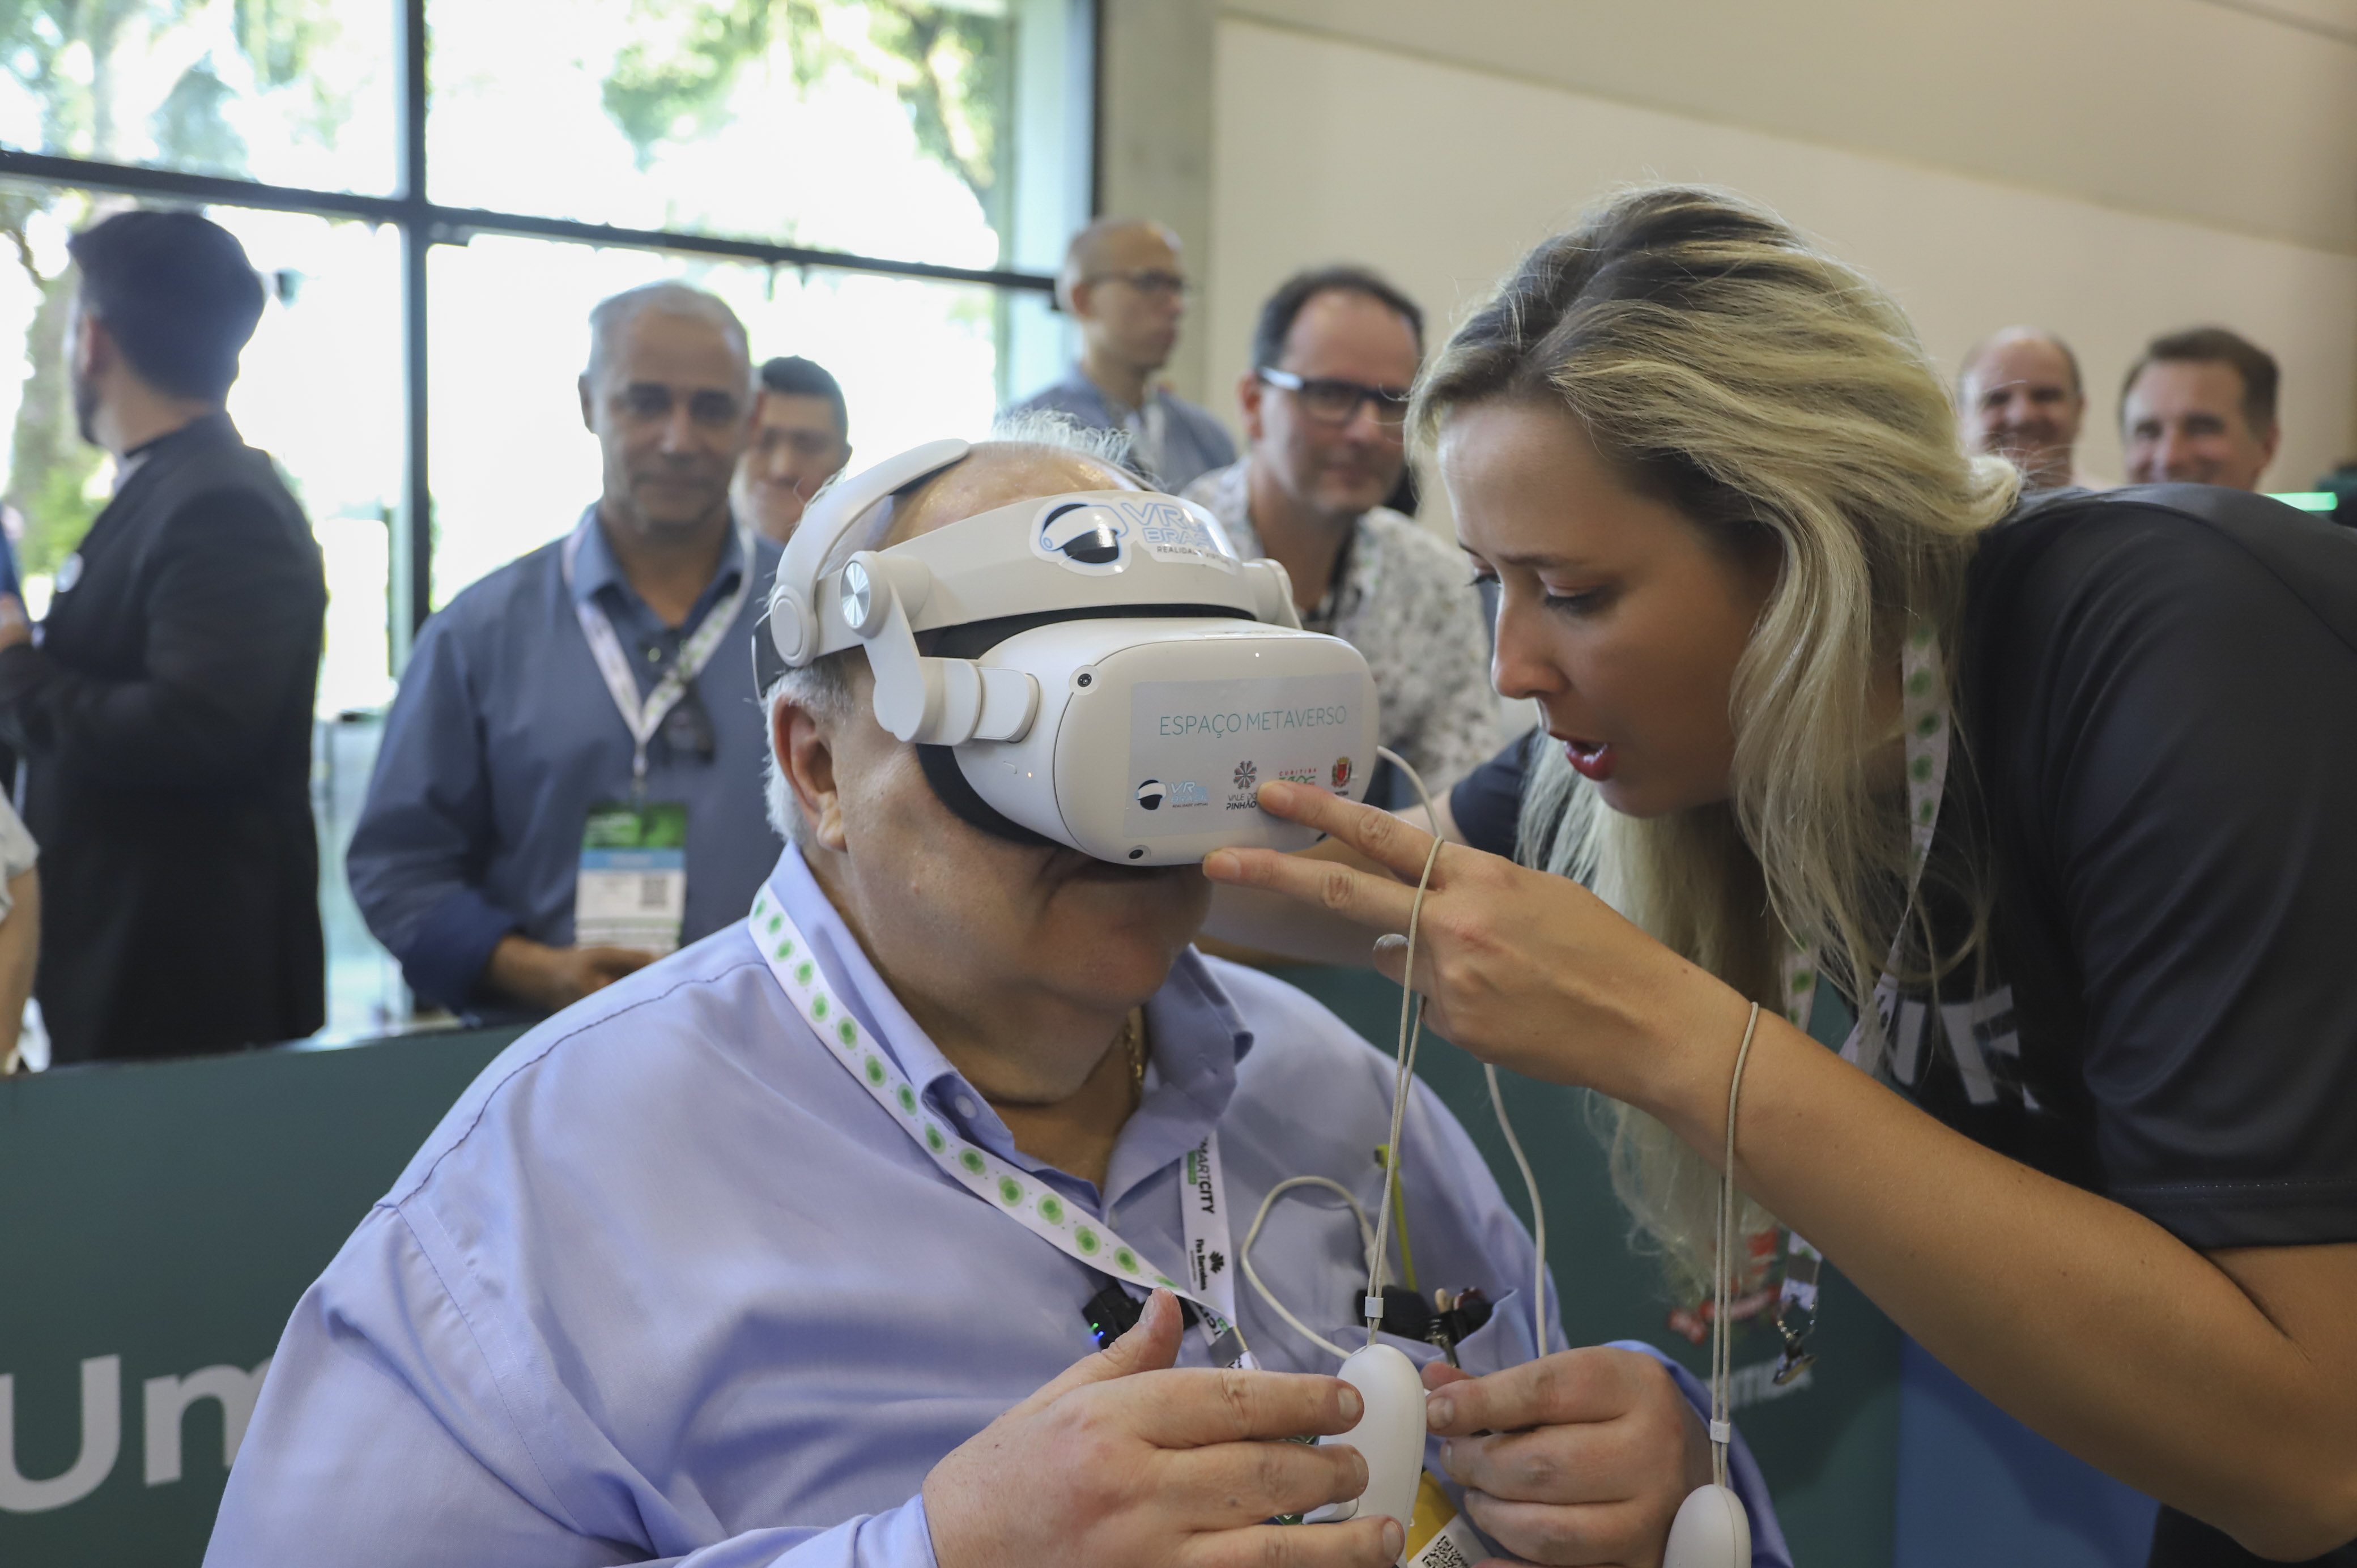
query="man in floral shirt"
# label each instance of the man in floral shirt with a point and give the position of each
(1324, 403)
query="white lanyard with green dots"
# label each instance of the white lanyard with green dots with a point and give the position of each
(1924, 712)
(642, 718)
(1016, 1193)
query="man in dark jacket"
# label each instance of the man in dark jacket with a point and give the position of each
(164, 712)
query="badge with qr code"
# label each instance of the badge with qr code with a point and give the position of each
(1440, 1537)
(630, 890)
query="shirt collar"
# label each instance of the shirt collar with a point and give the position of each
(595, 568)
(206, 429)
(1228, 495)
(1079, 387)
(1193, 1025)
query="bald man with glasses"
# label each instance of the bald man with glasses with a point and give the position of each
(1324, 407)
(1124, 283)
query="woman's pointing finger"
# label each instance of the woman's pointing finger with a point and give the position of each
(1397, 846)
(1361, 897)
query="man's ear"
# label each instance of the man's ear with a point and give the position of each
(1248, 394)
(587, 423)
(93, 347)
(806, 756)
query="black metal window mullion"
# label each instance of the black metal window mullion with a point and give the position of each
(411, 584)
(452, 225)
(422, 223)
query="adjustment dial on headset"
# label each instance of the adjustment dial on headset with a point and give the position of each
(861, 612)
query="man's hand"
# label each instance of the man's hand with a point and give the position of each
(1591, 1454)
(555, 978)
(1125, 1463)
(16, 627)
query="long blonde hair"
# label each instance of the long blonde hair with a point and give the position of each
(1780, 401)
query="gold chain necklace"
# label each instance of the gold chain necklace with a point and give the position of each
(1132, 1035)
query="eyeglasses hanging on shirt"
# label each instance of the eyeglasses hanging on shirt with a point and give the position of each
(686, 730)
(645, 717)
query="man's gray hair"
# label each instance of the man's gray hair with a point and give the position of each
(822, 687)
(672, 297)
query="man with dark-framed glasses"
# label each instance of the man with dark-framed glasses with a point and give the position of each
(1325, 405)
(1124, 283)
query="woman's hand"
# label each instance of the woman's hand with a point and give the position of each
(1524, 969)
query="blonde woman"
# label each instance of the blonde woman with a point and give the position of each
(2096, 1145)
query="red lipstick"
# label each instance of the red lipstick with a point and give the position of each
(1591, 759)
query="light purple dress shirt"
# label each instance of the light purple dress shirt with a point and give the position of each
(666, 1284)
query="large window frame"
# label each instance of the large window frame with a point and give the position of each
(423, 224)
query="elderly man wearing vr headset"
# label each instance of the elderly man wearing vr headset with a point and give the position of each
(791, 1247)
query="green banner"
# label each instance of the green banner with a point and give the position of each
(158, 1224)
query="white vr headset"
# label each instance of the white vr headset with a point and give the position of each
(1097, 669)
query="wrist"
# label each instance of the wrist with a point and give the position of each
(1691, 1038)
(520, 968)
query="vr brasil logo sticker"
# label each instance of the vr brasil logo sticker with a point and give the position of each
(1093, 537)
(1154, 794)
(1086, 538)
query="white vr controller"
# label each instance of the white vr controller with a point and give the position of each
(1711, 1530)
(1138, 682)
(1389, 1436)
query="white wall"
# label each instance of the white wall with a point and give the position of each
(1328, 148)
(2241, 115)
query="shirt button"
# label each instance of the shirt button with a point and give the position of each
(967, 1108)
(654, 654)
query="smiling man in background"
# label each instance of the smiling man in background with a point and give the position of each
(2198, 408)
(1324, 408)
(2021, 399)
(566, 785)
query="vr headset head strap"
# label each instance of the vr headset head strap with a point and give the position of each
(792, 613)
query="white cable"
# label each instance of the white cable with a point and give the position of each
(1366, 1241)
(1411, 1031)
(1538, 1212)
(1722, 1429)
(1497, 1099)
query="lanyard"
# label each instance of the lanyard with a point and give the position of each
(1924, 712)
(1203, 1218)
(643, 718)
(1014, 1192)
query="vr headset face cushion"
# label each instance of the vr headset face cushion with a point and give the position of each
(951, 787)
(973, 640)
